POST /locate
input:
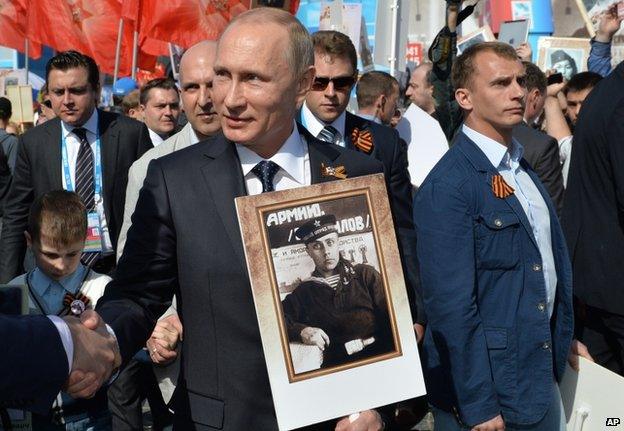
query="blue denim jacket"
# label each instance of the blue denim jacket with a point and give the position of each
(489, 347)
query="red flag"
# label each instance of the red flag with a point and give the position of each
(13, 22)
(131, 13)
(88, 26)
(202, 19)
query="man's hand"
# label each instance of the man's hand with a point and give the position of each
(524, 52)
(494, 424)
(608, 25)
(314, 337)
(578, 349)
(96, 354)
(164, 340)
(368, 420)
(420, 332)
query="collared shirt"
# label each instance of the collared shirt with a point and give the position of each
(293, 159)
(532, 201)
(372, 118)
(193, 139)
(155, 137)
(50, 293)
(314, 125)
(73, 146)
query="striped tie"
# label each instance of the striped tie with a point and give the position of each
(265, 171)
(85, 183)
(328, 134)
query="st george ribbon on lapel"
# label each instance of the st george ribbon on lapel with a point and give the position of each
(362, 140)
(500, 188)
(265, 171)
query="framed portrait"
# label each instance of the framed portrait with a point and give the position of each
(567, 55)
(483, 34)
(330, 298)
(522, 9)
(590, 11)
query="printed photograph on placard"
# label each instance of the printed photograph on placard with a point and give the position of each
(483, 34)
(334, 306)
(565, 55)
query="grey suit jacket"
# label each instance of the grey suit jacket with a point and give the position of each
(137, 174)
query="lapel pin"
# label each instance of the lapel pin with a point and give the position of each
(362, 140)
(500, 188)
(336, 172)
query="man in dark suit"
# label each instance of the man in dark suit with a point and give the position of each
(84, 149)
(42, 351)
(185, 239)
(494, 265)
(540, 149)
(324, 115)
(593, 221)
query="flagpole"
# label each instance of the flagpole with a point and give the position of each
(26, 65)
(135, 51)
(172, 59)
(118, 50)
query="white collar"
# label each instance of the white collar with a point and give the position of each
(496, 152)
(155, 137)
(91, 125)
(314, 125)
(290, 157)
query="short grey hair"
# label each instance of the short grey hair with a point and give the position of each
(300, 56)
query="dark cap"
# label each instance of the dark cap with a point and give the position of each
(316, 228)
(560, 55)
(5, 107)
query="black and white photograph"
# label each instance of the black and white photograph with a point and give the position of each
(483, 34)
(567, 56)
(330, 298)
(333, 298)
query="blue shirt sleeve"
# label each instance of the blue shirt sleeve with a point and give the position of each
(599, 60)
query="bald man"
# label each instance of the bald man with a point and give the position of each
(196, 74)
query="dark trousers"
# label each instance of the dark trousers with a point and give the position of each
(603, 334)
(125, 396)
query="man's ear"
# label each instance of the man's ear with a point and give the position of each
(305, 84)
(381, 101)
(28, 239)
(464, 99)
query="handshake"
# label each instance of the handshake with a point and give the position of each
(96, 355)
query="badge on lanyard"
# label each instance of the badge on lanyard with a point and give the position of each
(94, 233)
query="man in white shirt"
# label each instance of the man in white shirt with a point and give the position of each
(160, 108)
(185, 238)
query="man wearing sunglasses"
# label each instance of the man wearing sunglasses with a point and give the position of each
(324, 115)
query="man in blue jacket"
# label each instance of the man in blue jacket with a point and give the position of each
(496, 275)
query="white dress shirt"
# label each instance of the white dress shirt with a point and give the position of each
(314, 125)
(73, 146)
(155, 137)
(532, 201)
(565, 152)
(293, 159)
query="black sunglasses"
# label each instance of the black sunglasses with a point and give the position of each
(47, 103)
(341, 83)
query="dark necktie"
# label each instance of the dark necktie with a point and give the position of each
(265, 171)
(85, 184)
(328, 134)
(84, 181)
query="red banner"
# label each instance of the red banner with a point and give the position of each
(13, 21)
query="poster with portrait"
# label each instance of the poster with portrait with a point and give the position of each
(330, 298)
(592, 9)
(522, 9)
(566, 55)
(483, 34)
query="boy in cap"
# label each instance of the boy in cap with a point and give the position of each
(61, 285)
(342, 307)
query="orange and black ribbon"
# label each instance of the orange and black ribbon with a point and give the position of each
(362, 140)
(500, 188)
(330, 171)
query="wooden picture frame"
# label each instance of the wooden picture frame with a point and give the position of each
(570, 51)
(351, 375)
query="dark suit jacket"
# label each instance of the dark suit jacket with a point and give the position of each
(5, 180)
(542, 153)
(38, 170)
(490, 346)
(593, 211)
(33, 363)
(185, 239)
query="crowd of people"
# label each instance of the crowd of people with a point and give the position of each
(510, 248)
